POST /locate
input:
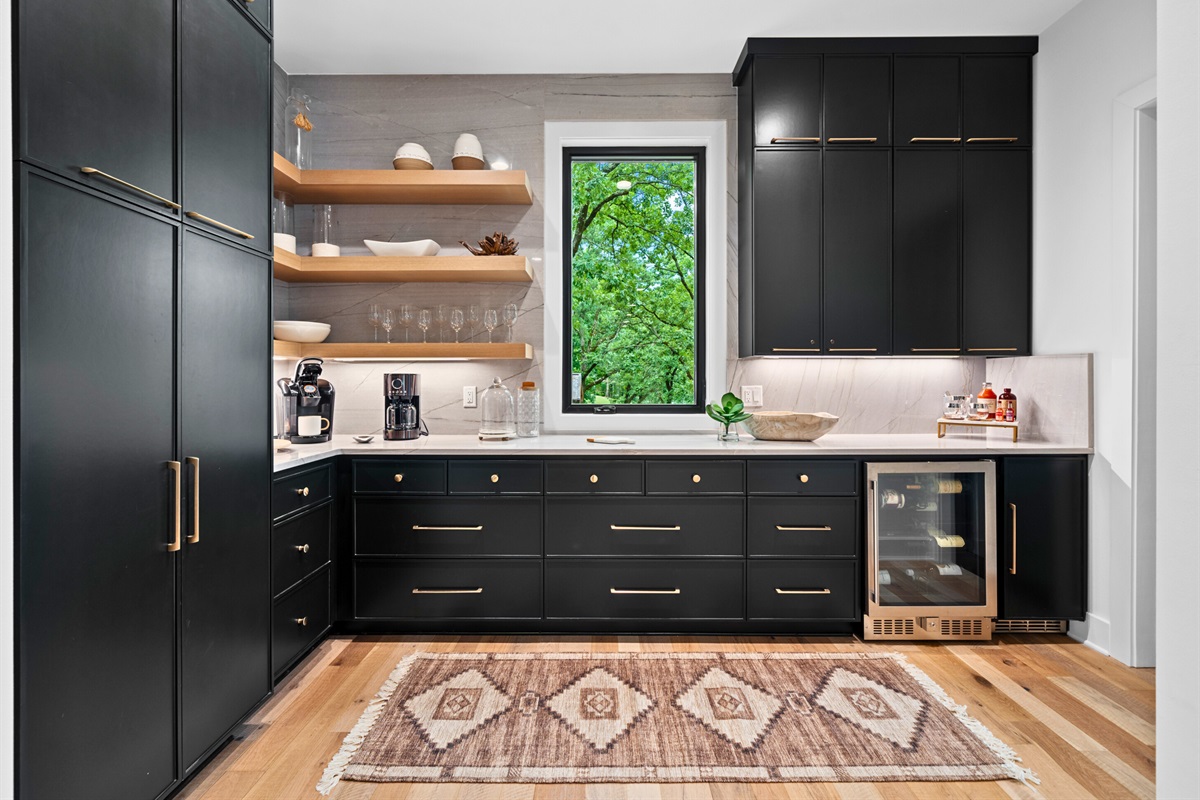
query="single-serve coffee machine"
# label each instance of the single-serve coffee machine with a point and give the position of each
(308, 404)
(402, 406)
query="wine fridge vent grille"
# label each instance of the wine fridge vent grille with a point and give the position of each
(893, 627)
(962, 627)
(1031, 626)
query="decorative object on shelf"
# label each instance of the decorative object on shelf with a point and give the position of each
(323, 225)
(945, 424)
(956, 406)
(412, 156)
(529, 410)
(509, 316)
(498, 419)
(790, 426)
(468, 152)
(298, 146)
(419, 247)
(498, 244)
(292, 330)
(729, 414)
(283, 222)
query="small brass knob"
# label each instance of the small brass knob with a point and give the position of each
(302, 492)
(495, 478)
(303, 548)
(804, 479)
(832, 341)
(812, 341)
(302, 621)
(695, 479)
(399, 476)
(594, 478)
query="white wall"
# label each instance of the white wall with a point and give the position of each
(1178, 386)
(1082, 295)
(7, 352)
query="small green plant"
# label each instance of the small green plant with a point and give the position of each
(730, 412)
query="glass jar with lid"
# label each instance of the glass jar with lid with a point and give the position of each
(298, 144)
(498, 413)
(529, 409)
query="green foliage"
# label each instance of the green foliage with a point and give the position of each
(633, 281)
(730, 410)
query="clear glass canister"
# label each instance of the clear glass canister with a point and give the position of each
(529, 409)
(299, 131)
(498, 413)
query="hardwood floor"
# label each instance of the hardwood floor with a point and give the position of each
(1081, 721)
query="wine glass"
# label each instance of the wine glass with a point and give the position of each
(473, 320)
(456, 322)
(388, 320)
(510, 317)
(374, 318)
(424, 318)
(490, 320)
(406, 318)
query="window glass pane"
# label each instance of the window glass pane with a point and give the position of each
(634, 281)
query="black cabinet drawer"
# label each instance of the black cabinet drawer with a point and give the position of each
(802, 526)
(801, 589)
(695, 477)
(299, 547)
(492, 526)
(644, 526)
(594, 477)
(462, 589)
(646, 588)
(495, 477)
(301, 490)
(802, 477)
(400, 476)
(299, 620)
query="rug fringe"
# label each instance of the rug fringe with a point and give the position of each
(358, 734)
(998, 747)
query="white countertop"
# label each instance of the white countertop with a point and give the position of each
(706, 445)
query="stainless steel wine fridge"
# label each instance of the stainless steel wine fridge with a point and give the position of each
(931, 550)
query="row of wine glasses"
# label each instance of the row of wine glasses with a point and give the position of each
(443, 316)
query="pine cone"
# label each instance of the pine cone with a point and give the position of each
(498, 244)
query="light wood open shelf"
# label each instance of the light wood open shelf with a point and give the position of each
(403, 186)
(406, 351)
(377, 269)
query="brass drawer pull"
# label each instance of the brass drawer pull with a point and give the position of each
(594, 478)
(1012, 570)
(803, 478)
(851, 139)
(853, 349)
(495, 478)
(951, 139)
(303, 548)
(194, 538)
(802, 591)
(934, 349)
(128, 185)
(174, 545)
(301, 621)
(614, 590)
(302, 491)
(982, 139)
(795, 349)
(218, 224)
(399, 476)
(476, 590)
(991, 349)
(778, 139)
(695, 479)
(447, 527)
(803, 528)
(645, 527)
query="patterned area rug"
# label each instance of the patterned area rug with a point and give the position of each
(666, 718)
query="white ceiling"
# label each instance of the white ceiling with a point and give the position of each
(570, 36)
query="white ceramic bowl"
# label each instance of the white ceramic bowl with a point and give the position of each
(291, 330)
(412, 156)
(421, 247)
(468, 145)
(789, 426)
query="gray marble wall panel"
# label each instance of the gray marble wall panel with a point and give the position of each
(279, 95)
(1054, 396)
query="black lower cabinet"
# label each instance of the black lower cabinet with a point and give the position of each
(649, 589)
(1043, 538)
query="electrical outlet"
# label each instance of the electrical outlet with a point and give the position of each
(752, 396)
(469, 398)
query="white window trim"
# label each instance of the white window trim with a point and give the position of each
(709, 134)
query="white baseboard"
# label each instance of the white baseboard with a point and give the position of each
(1095, 632)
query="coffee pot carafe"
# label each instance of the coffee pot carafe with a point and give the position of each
(402, 406)
(308, 404)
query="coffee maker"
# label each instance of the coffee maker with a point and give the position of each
(402, 406)
(308, 403)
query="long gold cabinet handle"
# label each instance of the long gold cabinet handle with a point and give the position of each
(934, 349)
(645, 527)
(854, 349)
(447, 527)
(991, 349)
(795, 349)
(929, 139)
(990, 139)
(800, 528)
(851, 139)
(128, 185)
(801, 591)
(1012, 570)
(476, 590)
(176, 468)
(615, 590)
(794, 139)
(194, 536)
(218, 224)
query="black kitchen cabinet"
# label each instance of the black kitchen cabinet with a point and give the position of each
(997, 106)
(97, 89)
(926, 100)
(226, 595)
(925, 252)
(787, 101)
(856, 273)
(858, 100)
(226, 111)
(96, 583)
(260, 10)
(786, 315)
(996, 251)
(1043, 538)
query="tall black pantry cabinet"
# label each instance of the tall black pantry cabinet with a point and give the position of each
(143, 382)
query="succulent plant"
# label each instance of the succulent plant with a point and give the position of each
(498, 244)
(730, 410)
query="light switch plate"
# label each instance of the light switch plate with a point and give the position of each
(752, 396)
(469, 397)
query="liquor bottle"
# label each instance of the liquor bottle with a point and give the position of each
(988, 396)
(1006, 406)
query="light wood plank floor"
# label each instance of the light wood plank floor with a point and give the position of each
(1083, 722)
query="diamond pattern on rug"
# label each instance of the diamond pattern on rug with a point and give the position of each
(730, 707)
(870, 705)
(599, 707)
(457, 707)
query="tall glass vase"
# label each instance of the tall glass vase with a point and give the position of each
(298, 127)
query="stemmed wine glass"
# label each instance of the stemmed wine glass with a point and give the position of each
(473, 320)
(406, 318)
(510, 317)
(424, 318)
(374, 318)
(489, 321)
(443, 316)
(456, 322)
(388, 320)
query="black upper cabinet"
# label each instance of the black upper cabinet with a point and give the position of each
(926, 100)
(786, 292)
(787, 100)
(856, 267)
(1043, 538)
(925, 252)
(996, 100)
(858, 100)
(260, 10)
(97, 89)
(996, 252)
(226, 66)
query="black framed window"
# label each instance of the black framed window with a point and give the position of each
(633, 274)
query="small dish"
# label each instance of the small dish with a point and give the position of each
(292, 330)
(363, 438)
(412, 156)
(281, 445)
(420, 247)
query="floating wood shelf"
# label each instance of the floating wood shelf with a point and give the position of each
(377, 269)
(401, 351)
(403, 186)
